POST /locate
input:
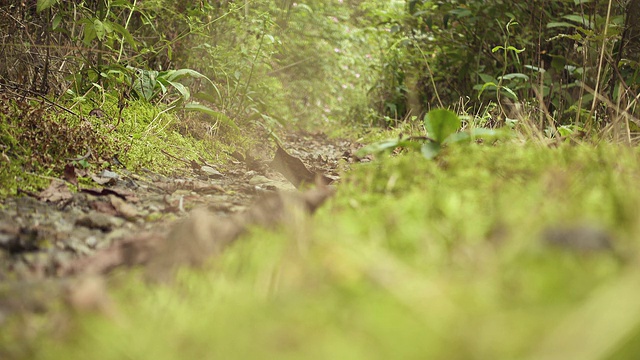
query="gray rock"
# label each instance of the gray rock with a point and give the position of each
(108, 174)
(211, 172)
(259, 179)
(100, 221)
(584, 238)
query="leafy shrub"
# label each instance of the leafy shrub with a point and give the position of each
(442, 52)
(442, 128)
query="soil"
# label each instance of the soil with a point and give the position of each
(67, 230)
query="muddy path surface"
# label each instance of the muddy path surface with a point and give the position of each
(117, 215)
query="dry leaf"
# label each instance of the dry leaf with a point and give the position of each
(70, 174)
(57, 191)
(199, 236)
(295, 171)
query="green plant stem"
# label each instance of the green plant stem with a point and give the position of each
(600, 62)
(433, 83)
(253, 65)
(126, 26)
(505, 60)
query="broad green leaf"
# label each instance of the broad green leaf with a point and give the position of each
(125, 35)
(183, 90)
(97, 85)
(99, 28)
(441, 123)
(56, 21)
(579, 19)
(205, 96)
(430, 150)
(461, 12)
(163, 84)
(487, 78)
(411, 144)
(559, 24)
(89, 34)
(44, 5)
(144, 83)
(171, 74)
(565, 130)
(510, 92)
(478, 133)
(217, 115)
(485, 86)
(177, 74)
(180, 73)
(108, 28)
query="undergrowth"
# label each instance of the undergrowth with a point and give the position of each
(37, 142)
(451, 258)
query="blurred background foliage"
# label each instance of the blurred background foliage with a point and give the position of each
(537, 53)
(258, 62)
(368, 62)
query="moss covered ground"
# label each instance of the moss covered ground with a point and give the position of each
(504, 251)
(36, 143)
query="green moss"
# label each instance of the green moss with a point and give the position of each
(36, 145)
(148, 137)
(412, 259)
(13, 177)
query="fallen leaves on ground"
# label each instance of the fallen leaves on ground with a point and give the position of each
(294, 169)
(200, 236)
(57, 191)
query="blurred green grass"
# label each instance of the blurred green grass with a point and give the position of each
(412, 259)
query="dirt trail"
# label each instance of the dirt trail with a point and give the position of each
(57, 233)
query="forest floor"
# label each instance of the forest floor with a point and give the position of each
(508, 250)
(57, 232)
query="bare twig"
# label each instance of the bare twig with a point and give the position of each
(40, 96)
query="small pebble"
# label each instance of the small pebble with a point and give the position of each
(585, 238)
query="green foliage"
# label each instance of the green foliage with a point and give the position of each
(515, 80)
(453, 252)
(441, 123)
(35, 146)
(439, 52)
(441, 126)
